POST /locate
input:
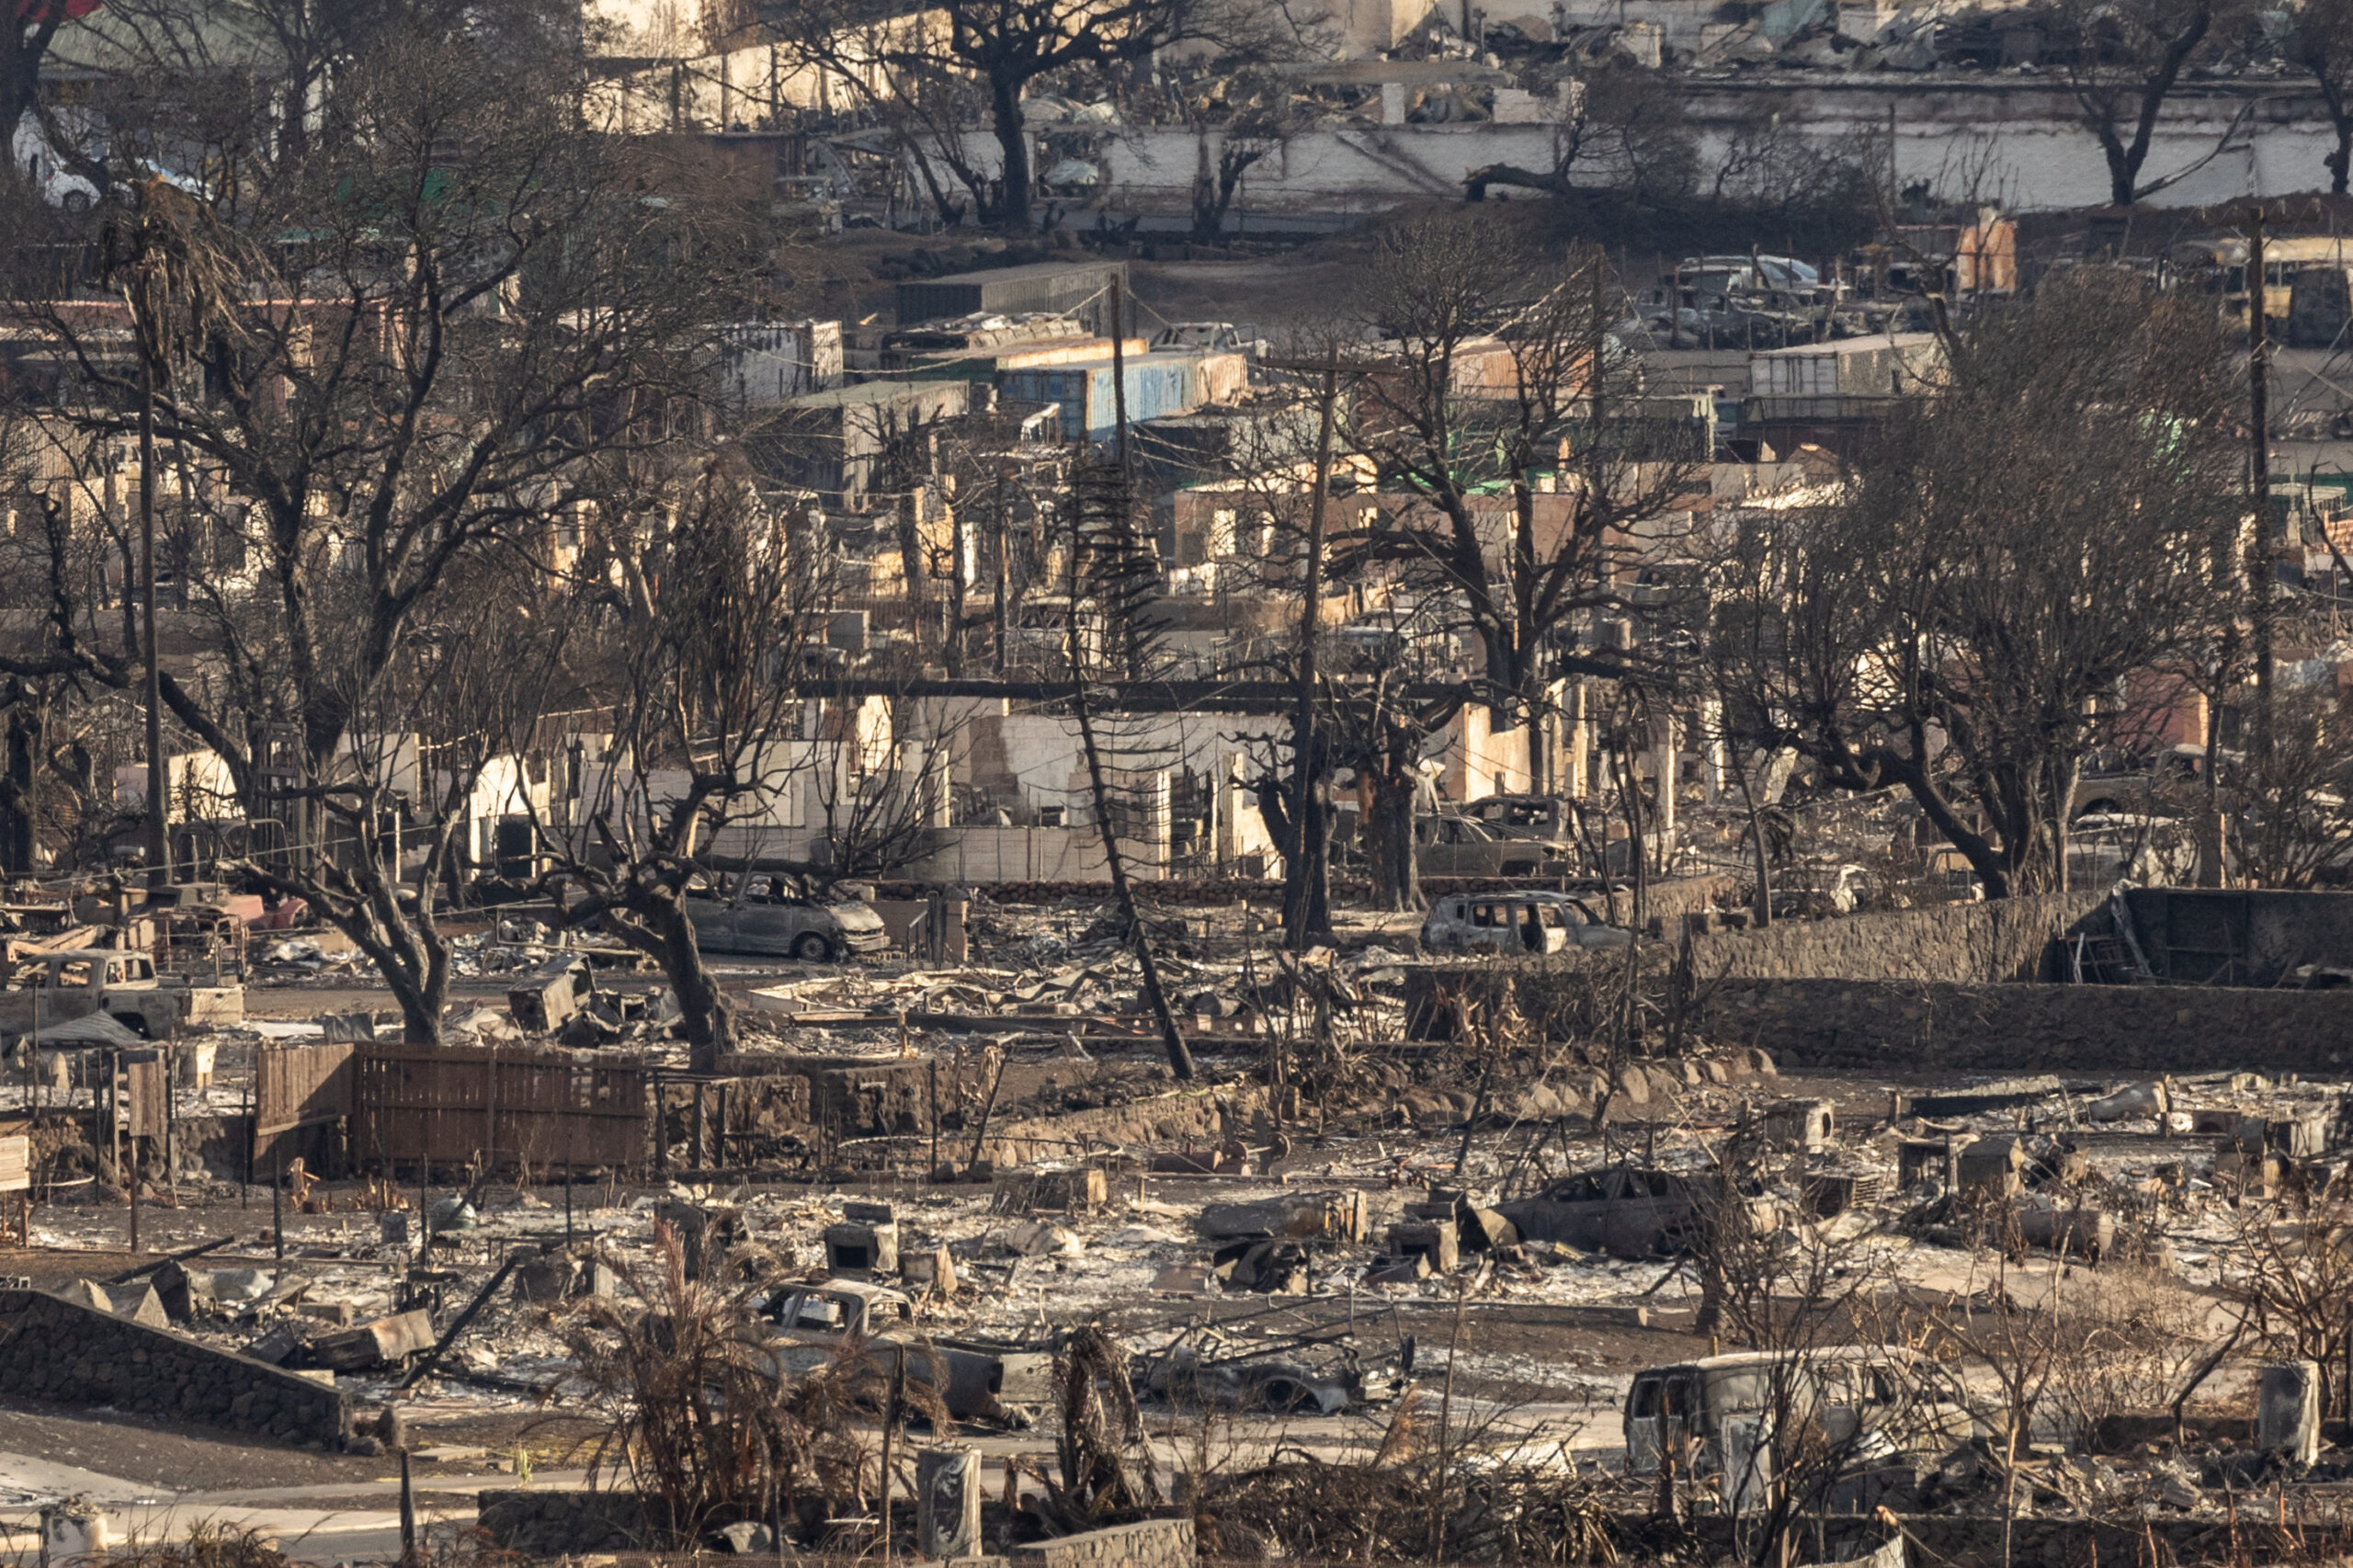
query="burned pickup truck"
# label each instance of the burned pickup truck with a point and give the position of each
(815, 1323)
(75, 983)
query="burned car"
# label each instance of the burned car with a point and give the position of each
(1515, 922)
(1463, 847)
(1628, 1211)
(1541, 818)
(771, 923)
(1207, 1370)
(818, 1323)
(1624, 1211)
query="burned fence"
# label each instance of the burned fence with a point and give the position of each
(296, 1086)
(388, 1106)
(490, 1107)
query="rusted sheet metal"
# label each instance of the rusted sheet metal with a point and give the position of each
(542, 1108)
(298, 1085)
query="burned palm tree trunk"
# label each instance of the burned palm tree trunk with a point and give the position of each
(1112, 582)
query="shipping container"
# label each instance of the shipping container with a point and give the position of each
(1076, 287)
(1156, 385)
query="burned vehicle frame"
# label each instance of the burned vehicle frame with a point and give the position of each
(1625, 1211)
(816, 1323)
(1308, 1374)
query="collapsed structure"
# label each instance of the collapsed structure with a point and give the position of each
(941, 1169)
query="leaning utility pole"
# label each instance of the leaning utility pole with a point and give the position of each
(1104, 498)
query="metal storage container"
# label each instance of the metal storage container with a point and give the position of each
(1079, 288)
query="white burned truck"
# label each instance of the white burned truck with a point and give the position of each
(55, 989)
(1728, 1415)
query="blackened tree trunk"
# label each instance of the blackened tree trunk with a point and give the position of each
(707, 1019)
(20, 791)
(650, 914)
(1388, 845)
(1391, 772)
(421, 996)
(1012, 148)
(1307, 851)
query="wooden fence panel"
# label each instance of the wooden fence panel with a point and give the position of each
(543, 1109)
(146, 1083)
(298, 1086)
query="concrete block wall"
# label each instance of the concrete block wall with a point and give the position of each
(2117, 1031)
(1153, 1543)
(56, 1350)
(1962, 943)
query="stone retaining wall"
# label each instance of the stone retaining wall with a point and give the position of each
(1950, 1541)
(1153, 1543)
(58, 1350)
(1899, 1025)
(1962, 943)
(564, 1523)
(1181, 1116)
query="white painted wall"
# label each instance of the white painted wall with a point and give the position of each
(198, 783)
(2010, 140)
(2029, 166)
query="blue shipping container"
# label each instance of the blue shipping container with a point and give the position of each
(1157, 385)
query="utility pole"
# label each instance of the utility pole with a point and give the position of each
(159, 841)
(1004, 543)
(1119, 374)
(2258, 478)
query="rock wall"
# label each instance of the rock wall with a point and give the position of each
(558, 1524)
(56, 1350)
(1045, 1109)
(1666, 903)
(1965, 1542)
(1180, 1115)
(2004, 940)
(1153, 1543)
(1903, 1026)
